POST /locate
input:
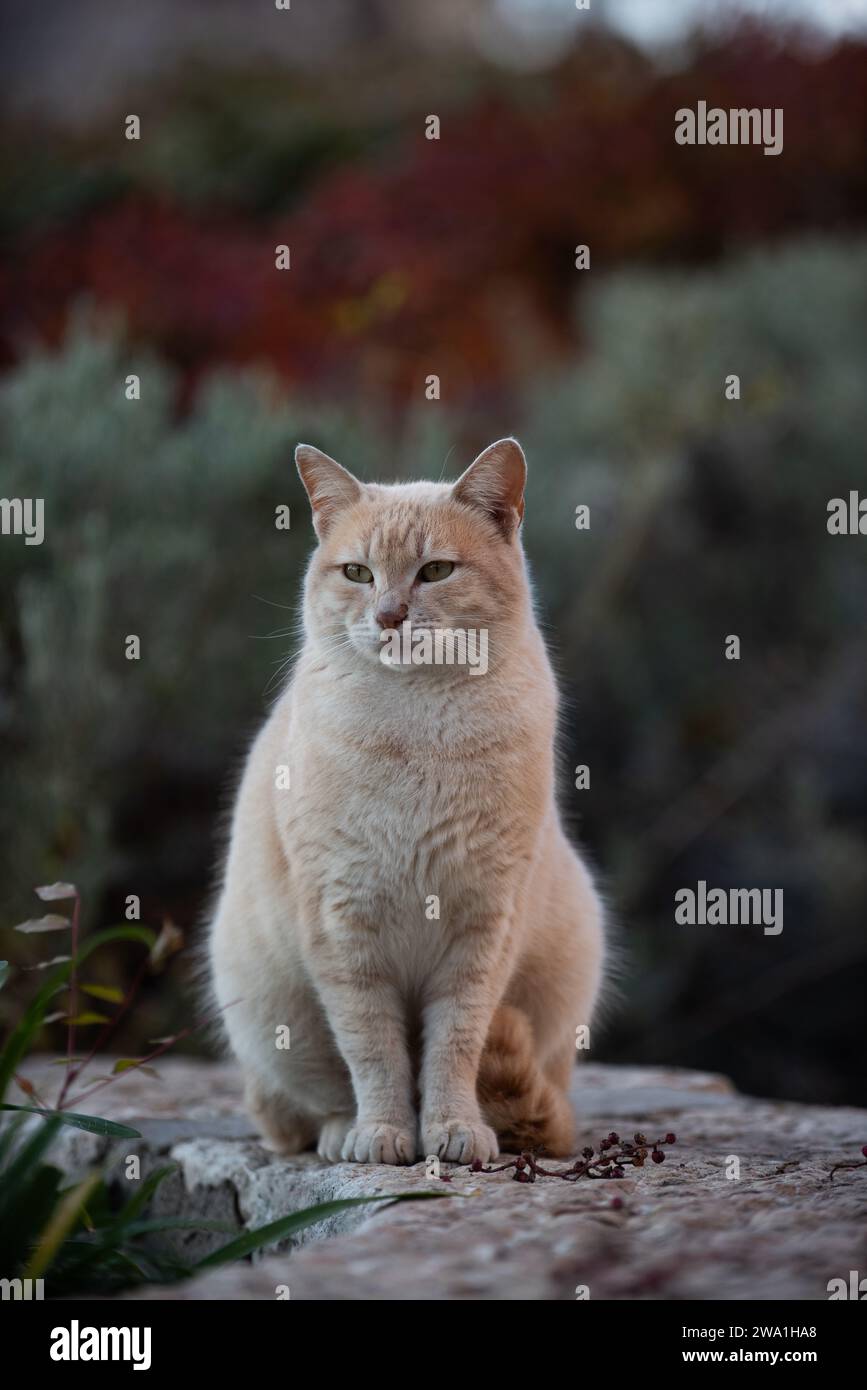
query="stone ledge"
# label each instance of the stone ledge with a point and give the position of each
(684, 1231)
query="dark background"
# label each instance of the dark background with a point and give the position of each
(454, 257)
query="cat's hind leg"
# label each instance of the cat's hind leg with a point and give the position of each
(284, 1126)
(525, 1108)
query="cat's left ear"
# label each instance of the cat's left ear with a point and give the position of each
(494, 483)
(330, 486)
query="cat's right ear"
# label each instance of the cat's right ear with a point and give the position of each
(329, 485)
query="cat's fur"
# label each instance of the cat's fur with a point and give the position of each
(410, 1034)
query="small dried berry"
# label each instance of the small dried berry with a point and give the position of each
(616, 1203)
(609, 1160)
(864, 1150)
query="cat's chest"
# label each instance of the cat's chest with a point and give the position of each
(412, 818)
(419, 834)
(412, 807)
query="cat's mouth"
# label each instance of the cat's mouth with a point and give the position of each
(413, 646)
(390, 647)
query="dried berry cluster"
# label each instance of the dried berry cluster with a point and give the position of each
(611, 1160)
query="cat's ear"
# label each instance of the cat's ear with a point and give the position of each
(494, 483)
(330, 486)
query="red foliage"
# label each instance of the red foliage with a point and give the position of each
(458, 258)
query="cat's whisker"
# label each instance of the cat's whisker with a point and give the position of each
(275, 677)
(290, 607)
(445, 463)
(322, 649)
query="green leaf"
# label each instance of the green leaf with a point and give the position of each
(94, 1124)
(56, 892)
(139, 1201)
(87, 1018)
(47, 964)
(176, 1223)
(124, 1064)
(17, 1173)
(110, 993)
(170, 940)
(4, 972)
(130, 1064)
(299, 1220)
(8, 1135)
(63, 1218)
(74, 1272)
(21, 1037)
(35, 1198)
(50, 923)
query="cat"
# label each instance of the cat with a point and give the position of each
(399, 892)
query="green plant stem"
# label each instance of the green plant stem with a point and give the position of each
(142, 1061)
(73, 999)
(73, 1073)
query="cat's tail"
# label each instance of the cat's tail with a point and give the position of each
(517, 1100)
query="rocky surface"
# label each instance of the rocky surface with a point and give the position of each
(686, 1229)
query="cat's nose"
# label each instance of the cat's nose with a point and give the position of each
(391, 613)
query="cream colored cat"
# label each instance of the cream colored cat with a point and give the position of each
(409, 906)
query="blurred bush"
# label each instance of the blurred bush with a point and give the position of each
(708, 517)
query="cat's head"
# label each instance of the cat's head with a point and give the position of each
(438, 556)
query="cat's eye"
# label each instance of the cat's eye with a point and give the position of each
(359, 574)
(434, 570)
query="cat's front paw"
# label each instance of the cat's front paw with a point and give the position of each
(460, 1141)
(379, 1143)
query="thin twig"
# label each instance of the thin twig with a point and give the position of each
(73, 1073)
(142, 1061)
(73, 996)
